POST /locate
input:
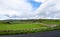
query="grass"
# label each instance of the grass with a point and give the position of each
(19, 26)
(28, 27)
(51, 22)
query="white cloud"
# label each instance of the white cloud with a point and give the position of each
(24, 10)
(43, 1)
(49, 9)
(19, 8)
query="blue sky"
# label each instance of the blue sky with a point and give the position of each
(29, 9)
(35, 4)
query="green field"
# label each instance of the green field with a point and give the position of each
(28, 26)
(19, 26)
(51, 21)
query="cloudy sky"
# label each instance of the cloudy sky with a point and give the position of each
(29, 9)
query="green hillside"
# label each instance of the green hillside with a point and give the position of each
(28, 26)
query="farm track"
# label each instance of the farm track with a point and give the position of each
(49, 25)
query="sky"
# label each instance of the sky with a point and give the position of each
(29, 9)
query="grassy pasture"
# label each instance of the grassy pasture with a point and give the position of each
(51, 21)
(27, 26)
(19, 26)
